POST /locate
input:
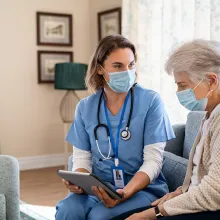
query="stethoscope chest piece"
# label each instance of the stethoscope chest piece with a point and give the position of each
(125, 135)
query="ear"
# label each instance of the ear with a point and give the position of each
(100, 70)
(213, 80)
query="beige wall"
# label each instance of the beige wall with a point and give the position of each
(30, 124)
(95, 7)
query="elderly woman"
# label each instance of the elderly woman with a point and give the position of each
(196, 69)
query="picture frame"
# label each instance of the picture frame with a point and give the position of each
(54, 29)
(109, 22)
(46, 63)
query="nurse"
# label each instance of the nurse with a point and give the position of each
(119, 134)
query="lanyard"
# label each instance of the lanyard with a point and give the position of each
(113, 143)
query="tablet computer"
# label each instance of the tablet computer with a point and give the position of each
(86, 180)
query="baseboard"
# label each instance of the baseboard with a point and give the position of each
(37, 162)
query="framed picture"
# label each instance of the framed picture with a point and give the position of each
(54, 29)
(47, 61)
(109, 22)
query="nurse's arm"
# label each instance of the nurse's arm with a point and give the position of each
(82, 170)
(139, 181)
(81, 163)
(150, 169)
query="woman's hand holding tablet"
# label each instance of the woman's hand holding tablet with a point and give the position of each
(86, 182)
(72, 188)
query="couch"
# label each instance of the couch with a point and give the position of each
(9, 188)
(177, 150)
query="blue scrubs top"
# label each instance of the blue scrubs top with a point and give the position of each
(149, 124)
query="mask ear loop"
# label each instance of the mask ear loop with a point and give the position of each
(103, 69)
(209, 93)
(198, 84)
(103, 74)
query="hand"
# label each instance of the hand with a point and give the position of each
(167, 197)
(137, 216)
(105, 198)
(72, 188)
(149, 214)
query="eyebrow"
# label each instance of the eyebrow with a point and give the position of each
(179, 82)
(122, 63)
(117, 63)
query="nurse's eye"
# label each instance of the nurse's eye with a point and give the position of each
(118, 66)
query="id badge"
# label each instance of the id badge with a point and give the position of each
(118, 176)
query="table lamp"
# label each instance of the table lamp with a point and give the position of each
(70, 77)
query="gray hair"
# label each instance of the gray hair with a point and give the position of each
(196, 58)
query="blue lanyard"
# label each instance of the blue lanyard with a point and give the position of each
(113, 143)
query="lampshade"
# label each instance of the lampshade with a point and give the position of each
(70, 76)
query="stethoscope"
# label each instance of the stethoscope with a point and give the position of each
(125, 134)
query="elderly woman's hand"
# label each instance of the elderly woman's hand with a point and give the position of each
(167, 197)
(145, 215)
(105, 198)
(137, 216)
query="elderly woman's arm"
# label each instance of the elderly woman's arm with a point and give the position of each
(205, 196)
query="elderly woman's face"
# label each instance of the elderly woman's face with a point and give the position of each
(184, 82)
(119, 60)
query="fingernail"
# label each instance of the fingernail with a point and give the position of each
(76, 187)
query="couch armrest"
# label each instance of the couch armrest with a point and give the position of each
(175, 145)
(9, 185)
(174, 170)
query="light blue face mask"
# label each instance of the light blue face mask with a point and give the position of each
(121, 82)
(188, 99)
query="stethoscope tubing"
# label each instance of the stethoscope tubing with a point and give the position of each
(99, 125)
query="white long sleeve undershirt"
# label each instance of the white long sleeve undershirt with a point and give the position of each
(152, 159)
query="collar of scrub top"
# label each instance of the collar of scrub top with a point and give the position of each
(114, 143)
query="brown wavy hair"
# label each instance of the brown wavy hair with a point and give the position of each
(94, 81)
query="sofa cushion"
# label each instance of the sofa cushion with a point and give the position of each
(174, 170)
(2, 207)
(192, 127)
(175, 145)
